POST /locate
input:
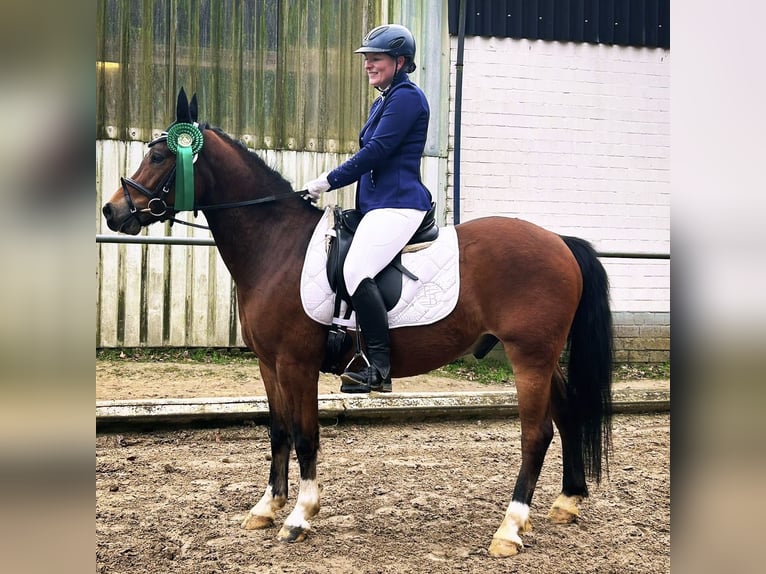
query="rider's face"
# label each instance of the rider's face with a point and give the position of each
(380, 69)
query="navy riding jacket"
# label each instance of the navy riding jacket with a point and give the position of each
(391, 143)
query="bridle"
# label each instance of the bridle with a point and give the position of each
(159, 208)
(157, 205)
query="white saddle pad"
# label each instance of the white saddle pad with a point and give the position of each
(429, 299)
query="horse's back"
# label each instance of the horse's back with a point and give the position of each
(515, 242)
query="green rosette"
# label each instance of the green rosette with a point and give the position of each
(184, 140)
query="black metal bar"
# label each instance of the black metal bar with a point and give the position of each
(204, 241)
(155, 240)
(458, 108)
(626, 255)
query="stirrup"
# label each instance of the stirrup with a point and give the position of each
(355, 381)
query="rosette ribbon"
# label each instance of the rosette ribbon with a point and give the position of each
(184, 140)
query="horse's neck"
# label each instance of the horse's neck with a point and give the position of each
(259, 240)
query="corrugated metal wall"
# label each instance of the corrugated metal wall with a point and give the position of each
(280, 75)
(623, 22)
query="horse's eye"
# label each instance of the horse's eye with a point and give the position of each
(156, 157)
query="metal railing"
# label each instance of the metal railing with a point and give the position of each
(208, 241)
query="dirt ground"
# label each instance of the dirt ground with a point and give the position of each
(397, 498)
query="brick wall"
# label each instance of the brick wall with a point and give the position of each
(641, 337)
(576, 138)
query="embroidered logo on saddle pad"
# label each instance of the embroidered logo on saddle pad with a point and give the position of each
(429, 299)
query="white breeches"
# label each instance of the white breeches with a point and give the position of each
(382, 233)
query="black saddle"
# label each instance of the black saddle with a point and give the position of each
(389, 280)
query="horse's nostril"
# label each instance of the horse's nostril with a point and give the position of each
(107, 211)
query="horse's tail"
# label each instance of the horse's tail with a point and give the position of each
(589, 370)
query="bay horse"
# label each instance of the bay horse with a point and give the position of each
(535, 292)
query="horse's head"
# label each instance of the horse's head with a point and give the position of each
(163, 184)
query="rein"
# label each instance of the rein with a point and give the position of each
(250, 201)
(268, 199)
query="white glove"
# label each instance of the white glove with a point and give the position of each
(318, 186)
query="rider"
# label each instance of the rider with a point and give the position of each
(389, 192)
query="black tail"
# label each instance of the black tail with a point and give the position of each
(589, 370)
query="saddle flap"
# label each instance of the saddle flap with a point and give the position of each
(345, 225)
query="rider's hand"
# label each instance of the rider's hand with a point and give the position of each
(318, 186)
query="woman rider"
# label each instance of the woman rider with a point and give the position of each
(389, 192)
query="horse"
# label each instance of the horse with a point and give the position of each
(542, 296)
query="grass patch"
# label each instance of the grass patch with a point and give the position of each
(494, 372)
(635, 371)
(206, 355)
(487, 371)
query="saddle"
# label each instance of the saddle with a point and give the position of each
(389, 280)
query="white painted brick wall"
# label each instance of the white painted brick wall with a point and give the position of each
(575, 138)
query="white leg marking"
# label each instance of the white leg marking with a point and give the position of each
(268, 505)
(515, 520)
(306, 506)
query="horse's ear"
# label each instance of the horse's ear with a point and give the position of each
(193, 108)
(182, 107)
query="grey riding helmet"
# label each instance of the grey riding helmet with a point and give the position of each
(391, 39)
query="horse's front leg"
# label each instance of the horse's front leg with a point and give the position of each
(263, 514)
(536, 435)
(298, 384)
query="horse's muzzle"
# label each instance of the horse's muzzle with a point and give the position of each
(120, 220)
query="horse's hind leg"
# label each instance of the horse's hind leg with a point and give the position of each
(262, 515)
(565, 508)
(533, 391)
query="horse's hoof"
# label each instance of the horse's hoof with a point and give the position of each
(255, 522)
(292, 534)
(501, 548)
(561, 516)
(565, 509)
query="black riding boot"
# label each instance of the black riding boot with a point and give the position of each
(372, 317)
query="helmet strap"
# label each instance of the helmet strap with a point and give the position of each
(396, 71)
